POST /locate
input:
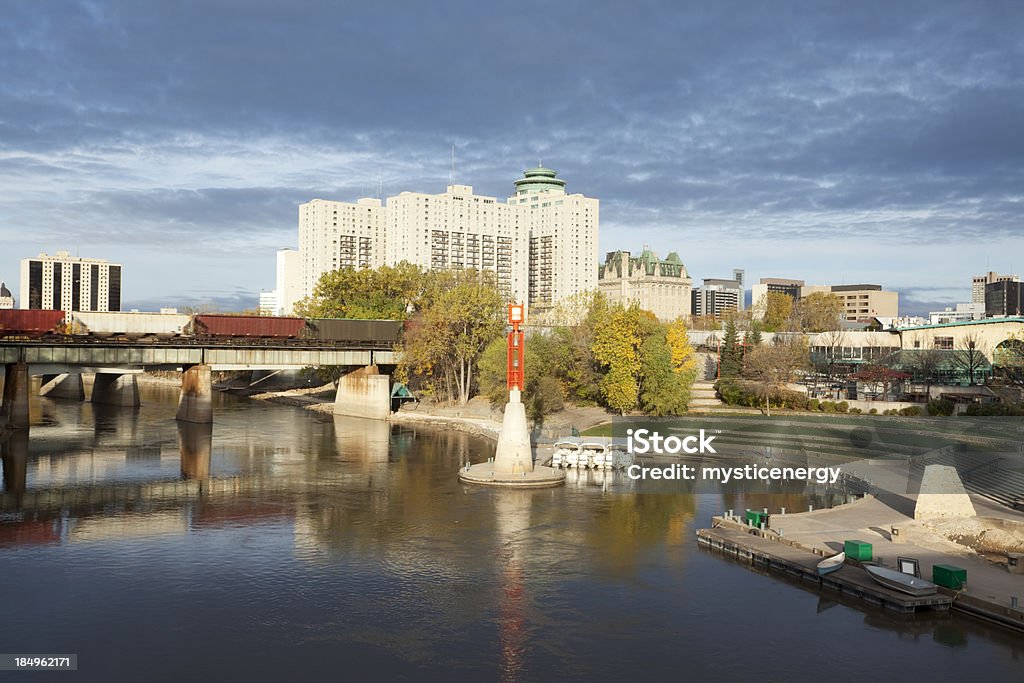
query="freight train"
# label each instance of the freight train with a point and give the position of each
(59, 326)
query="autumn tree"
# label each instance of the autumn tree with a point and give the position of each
(463, 314)
(818, 312)
(774, 365)
(778, 309)
(617, 347)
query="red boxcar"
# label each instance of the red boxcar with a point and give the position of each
(247, 326)
(30, 322)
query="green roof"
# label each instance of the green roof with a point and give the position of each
(985, 321)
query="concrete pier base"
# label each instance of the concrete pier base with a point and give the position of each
(195, 403)
(942, 495)
(14, 457)
(364, 393)
(513, 460)
(64, 386)
(14, 410)
(115, 390)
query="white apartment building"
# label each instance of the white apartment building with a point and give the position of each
(289, 281)
(541, 243)
(335, 235)
(69, 283)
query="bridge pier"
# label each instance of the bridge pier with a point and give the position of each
(195, 441)
(195, 403)
(14, 410)
(66, 386)
(364, 393)
(115, 390)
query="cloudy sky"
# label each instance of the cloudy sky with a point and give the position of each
(832, 142)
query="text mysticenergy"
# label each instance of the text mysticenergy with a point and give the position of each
(821, 475)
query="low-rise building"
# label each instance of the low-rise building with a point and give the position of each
(660, 286)
(962, 313)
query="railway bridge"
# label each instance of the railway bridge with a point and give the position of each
(364, 392)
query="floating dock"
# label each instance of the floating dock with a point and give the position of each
(779, 556)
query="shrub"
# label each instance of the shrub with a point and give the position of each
(813, 404)
(842, 407)
(995, 409)
(943, 407)
(828, 407)
(856, 411)
(873, 411)
(910, 411)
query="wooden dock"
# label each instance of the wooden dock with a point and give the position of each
(749, 546)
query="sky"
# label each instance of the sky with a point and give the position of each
(833, 142)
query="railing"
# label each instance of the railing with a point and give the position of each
(990, 466)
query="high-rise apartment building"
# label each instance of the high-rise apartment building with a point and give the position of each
(717, 296)
(661, 287)
(541, 243)
(978, 283)
(69, 283)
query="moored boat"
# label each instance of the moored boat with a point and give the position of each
(831, 564)
(898, 581)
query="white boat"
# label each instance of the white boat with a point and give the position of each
(898, 581)
(618, 454)
(831, 564)
(588, 451)
(563, 448)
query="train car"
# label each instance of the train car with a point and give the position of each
(379, 333)
(247, 326)
(129, 325)
(15, 322)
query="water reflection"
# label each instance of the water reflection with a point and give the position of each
(352, 541)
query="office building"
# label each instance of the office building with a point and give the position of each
(6, 298)
(541, 243)
(759, 292)
(717, 296)
(979, 282)
(661, 287)
(1004, 298)
(289, 281)
(69, 283)
(861, 302)
(960, 314)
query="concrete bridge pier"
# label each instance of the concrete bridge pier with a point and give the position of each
(195, 441)
(116, 389)
(64, 386)
(195, 403)
(364, 393)
(14, 410)
(14, 454)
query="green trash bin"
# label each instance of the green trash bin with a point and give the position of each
(949, 576)
(755, 517)
(857, 550)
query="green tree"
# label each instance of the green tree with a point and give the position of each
(463, 313)
(774, 365)
(386, 293)
(730, 358)
(663, 389)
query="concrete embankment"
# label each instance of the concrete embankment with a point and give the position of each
(886, 522)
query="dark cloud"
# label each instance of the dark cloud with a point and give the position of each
(149, 124)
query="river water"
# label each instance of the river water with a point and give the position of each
(347, 549)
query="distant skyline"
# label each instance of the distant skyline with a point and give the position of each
(831, 142)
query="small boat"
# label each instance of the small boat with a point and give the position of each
(831, 564)
(898, 581)
(563, 448)
(618, 454)
(589, 449)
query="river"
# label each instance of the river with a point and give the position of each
(347, 549)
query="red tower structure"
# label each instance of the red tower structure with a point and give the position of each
(516, 347)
